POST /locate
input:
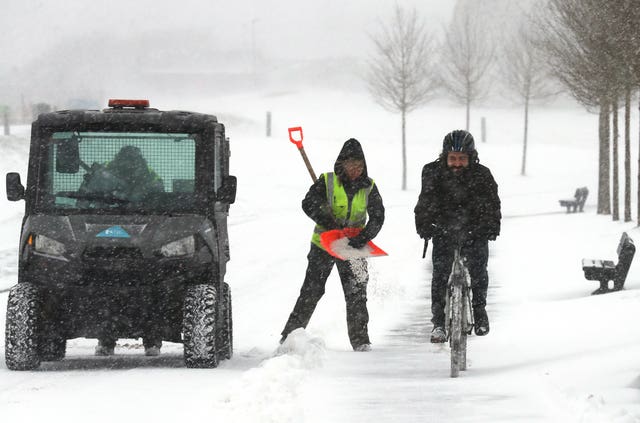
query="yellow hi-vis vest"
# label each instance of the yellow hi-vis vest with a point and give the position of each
(348, 215)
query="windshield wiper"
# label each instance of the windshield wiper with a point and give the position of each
(93, 196)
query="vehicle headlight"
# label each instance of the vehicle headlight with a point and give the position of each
(182, 247)
(46, 245)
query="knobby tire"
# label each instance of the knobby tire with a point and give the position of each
(457, 340)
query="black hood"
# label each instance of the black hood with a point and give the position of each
(351, 150)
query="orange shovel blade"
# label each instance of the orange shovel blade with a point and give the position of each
(335, 242)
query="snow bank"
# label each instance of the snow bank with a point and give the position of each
(272, 391)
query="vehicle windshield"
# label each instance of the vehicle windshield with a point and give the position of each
(100, 171)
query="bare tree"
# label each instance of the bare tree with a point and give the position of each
(623, 35)
(401, 73)
(466, 57)
(526, 74)
(626, 34)
(579, 49)
(594, 48)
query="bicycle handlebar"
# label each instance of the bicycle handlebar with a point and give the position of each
(424, 250)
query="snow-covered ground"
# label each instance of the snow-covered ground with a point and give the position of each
(554, 354)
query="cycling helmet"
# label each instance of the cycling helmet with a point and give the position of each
(460, 141)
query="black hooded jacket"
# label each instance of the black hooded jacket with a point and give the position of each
(315, 203)
(448, 201)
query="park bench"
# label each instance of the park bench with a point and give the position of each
(576, 203)
(605, 270)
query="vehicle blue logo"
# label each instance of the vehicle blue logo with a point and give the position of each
(113, 232)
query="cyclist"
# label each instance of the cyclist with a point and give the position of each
(458, 193)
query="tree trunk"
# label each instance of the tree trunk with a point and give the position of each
(404, 150)
(468, 113)
(526, 130)
(616, 206)
(604, 197)
(638, 200)
(627, 154)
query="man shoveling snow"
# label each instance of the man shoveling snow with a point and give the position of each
(342, 199)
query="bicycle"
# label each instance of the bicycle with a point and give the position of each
(458, 312)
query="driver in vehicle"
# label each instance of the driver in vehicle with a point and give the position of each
(127, 177)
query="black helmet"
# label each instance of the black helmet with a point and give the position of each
(459, 140)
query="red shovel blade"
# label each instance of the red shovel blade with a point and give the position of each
(298, 143)
(336, 243)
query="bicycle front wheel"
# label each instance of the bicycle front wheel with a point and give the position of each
(466, 319)
(456, 341)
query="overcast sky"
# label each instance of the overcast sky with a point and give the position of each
(282, 28)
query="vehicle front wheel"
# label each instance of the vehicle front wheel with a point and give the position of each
(21, 334)
(199, 327)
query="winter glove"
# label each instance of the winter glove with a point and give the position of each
(426, 232)
(358, 241)
(482, 234)
(326, 221)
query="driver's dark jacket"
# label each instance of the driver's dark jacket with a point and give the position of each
(131, 184)
(449, 200)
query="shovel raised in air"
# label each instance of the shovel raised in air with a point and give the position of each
(298, 144)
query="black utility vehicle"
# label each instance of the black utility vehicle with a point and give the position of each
(124, 233)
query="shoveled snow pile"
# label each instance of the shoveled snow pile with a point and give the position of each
(271, 392)
(341, 247)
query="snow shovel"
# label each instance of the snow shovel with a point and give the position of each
(336, 243)
(301, 150)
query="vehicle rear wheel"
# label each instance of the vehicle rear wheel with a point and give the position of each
(21, 333)
(225, 331)
(456, 333)
(199, 327)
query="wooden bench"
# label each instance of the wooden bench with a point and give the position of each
(605, 270)
(576, 203)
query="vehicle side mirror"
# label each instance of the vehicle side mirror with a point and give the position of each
(227, 191)
(15, 190)
(68, 157)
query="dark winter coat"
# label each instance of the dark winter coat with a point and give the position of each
(127, 176)
(448, 200)
(315, 203)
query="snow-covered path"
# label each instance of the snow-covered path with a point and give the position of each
(555, 353)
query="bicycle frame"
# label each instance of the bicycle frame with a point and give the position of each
(458, 315)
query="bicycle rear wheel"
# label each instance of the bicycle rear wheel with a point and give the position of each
(457, 339)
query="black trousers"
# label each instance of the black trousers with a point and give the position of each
(477, 254)
(354, 277)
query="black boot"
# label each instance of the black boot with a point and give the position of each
(481, 321)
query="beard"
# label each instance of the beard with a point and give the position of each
(457, 171)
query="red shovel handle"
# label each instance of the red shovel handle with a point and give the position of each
(292, 139)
